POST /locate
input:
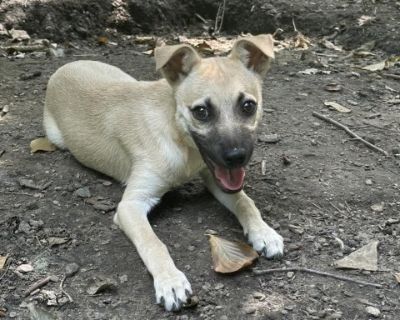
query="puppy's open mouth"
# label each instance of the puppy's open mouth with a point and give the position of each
(230, 180)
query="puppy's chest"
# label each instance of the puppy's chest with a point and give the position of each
(184, 166)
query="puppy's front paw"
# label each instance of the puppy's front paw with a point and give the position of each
(172, 289)
(266, 241)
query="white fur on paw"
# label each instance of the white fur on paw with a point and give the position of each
(172, 289)
(267, 241)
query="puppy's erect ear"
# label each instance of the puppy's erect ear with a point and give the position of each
(255, 52)
(175, 62)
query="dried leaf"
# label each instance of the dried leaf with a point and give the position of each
(42, 144)
(364, 20)
(145, 40)
(376, 66)
(100, 286)
(329, 45)
(337, 106)
(365, 258)
(55, 241)
(301, 41)
(205, 48)
(397, 277)
(3, 260)
(102, 40)
(230, 256)
(19, 35)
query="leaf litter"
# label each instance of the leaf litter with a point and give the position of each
(230, 256)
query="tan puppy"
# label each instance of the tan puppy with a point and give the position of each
(153, 136)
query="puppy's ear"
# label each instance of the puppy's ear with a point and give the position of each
(255, 52)
(175, 62)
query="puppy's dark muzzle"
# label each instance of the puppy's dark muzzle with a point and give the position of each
(235, 157)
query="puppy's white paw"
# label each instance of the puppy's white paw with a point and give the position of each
(172, 289)
(267, 241)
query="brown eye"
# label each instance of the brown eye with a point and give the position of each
(201, 113)
(248, 107)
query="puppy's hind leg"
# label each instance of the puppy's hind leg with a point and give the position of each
(263, 238)
(142, 193)
(53, 133)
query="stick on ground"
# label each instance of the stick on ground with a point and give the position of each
(321, 273)
(351, 133)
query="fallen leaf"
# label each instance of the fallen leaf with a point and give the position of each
(205, 48)
(102, 40)
(24, 268)
(100, 286)
(329, 45)
(365, 258)
(376, 66)
(364, 20)
(19, 35)
(145, 40)
(301, 41)
(42, 144)
(230, 256)
(337, 106)
(3, 260)
(55, 241)
(397, 277)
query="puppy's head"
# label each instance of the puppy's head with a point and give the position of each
(219, 102)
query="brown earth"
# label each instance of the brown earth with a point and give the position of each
(324, 194)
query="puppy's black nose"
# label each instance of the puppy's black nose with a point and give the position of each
(235, 157)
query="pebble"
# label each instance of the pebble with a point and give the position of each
(24, 268)
(83, 192)
(191, 248)
(378, 207)
(375, 312)
(368, 182)
(224, 317)
(290, 274)
(269, 138)
(71, 269)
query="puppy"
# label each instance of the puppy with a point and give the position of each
(156, 135)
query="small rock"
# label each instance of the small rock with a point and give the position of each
(212, 232)
(71, 269)
(219, 286)
(191, 248)
(368, 182)
(12, 314)
(290, 274)
(107, 183)
(24, 268)
(269, 138)
(259, 296)
(83, 192)
(30, 75)
(378, 207)
(24, 227)
(223, 317)
(123, 278)
(375, 312)
(19, 35)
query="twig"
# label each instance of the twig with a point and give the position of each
(201, 18)
(392, 76)
(294, 26)
(38, 284)
(351, 133)
(321, 273)
(219, 18)
(17, 193)
(63, 291)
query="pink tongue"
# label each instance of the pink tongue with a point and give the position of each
(231, 179)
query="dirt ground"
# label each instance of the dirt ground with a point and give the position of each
(324, 192)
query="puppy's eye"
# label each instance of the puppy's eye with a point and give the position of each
(248, 107)
(201, 113)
